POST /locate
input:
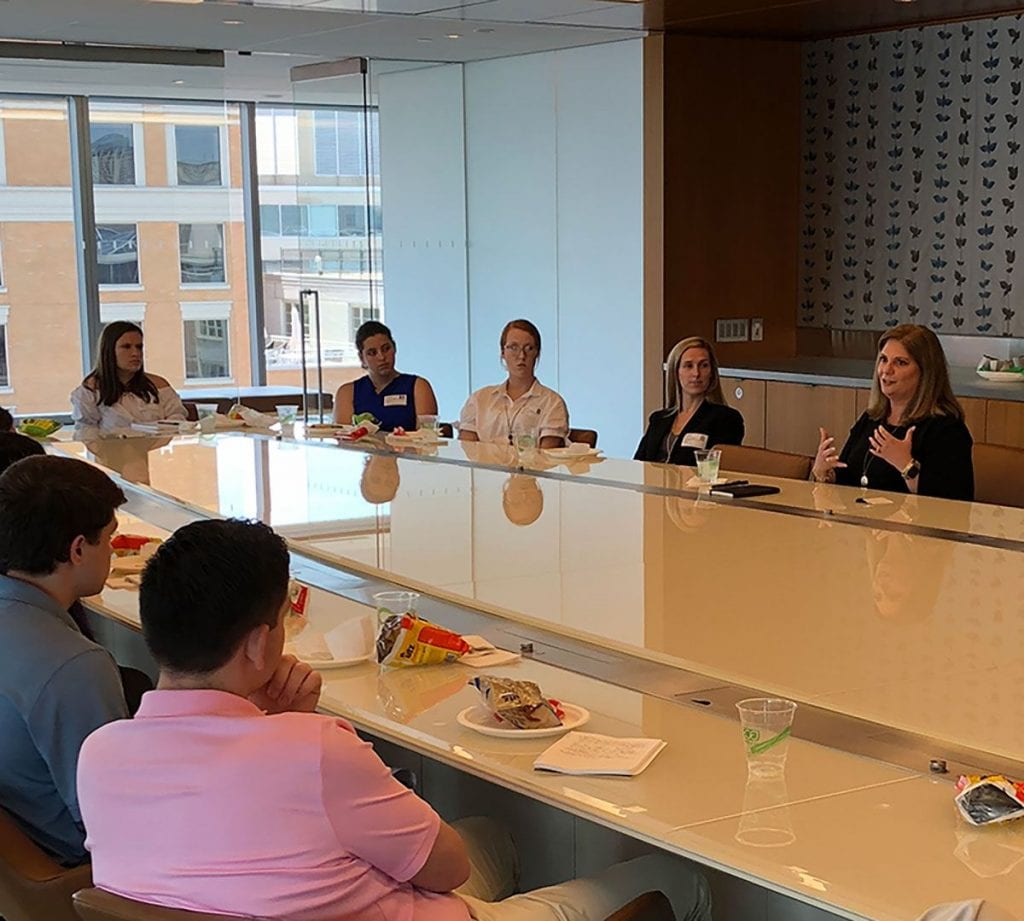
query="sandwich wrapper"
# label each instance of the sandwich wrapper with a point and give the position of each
(131, 553)
(989, 800)
(251, 417)
(405, 693)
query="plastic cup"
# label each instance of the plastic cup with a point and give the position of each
(766, 724)
(207, 413)
(707, 464)
(389, 603)
(766, 821)
(427, 423)
(287, 414)
(526, 445)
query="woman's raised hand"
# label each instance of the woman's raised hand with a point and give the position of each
(827, 459)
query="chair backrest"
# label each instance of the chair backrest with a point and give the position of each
(586, 437)
(651, 906)
(741, 459)
(33, 886)
(100, 905)
(445, 430)
(999, 475)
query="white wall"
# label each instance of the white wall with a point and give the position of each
(424, 205)
(544, 155)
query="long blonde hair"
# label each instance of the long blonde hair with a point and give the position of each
(934, 395)
(673, 389)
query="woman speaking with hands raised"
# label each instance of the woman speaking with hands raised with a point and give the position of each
(912, 438)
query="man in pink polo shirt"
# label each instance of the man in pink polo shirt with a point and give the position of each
(228, 793)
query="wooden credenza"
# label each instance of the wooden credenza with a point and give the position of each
(785, 416)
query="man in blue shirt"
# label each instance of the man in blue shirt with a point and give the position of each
(56, 686)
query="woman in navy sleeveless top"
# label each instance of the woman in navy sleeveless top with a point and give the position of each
(394, 399)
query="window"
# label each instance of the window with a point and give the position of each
(291, 311)
(270, 220)
(201, 248)
(197, 148)
(361, 313)
(5, 373)
(277, 151)
(207, 343)
(293, 220)
(117, 254)
(323, 220)
(113, 153)
(339, 142)
(352, 220)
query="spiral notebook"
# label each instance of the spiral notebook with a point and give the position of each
(590, 753)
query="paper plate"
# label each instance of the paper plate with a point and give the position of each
(318, 430)
(1005, 377)
(481, 720)
(570, 453)
(332, 663)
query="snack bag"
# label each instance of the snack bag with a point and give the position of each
(989, 800)
(295, 620)
(517, 702)
(408, 640)
(134, 545)
(365, 424)
(251, 417)
(38, 428)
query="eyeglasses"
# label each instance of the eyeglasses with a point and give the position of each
(514, 348)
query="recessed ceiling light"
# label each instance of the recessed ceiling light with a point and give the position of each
(453, 35)
(234, 22)
(179, 82)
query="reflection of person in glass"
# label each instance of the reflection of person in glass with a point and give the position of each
(119, 391)
(126, 456)
(912, 438)
(380, 480)
(522, 499)
(395, 399)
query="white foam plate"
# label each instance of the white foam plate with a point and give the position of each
(1004, 377)
(328, 431)
(481, 720)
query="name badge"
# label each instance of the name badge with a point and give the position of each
(396, 399)
(695, 440)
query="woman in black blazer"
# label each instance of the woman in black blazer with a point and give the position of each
(698, 416)
(912, 439)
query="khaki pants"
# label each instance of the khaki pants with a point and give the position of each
(494, 872)
(975, 910)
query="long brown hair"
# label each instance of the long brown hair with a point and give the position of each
(673, 390)
(104, 379)
(934, 395)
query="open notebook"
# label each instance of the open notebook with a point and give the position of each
(590, 753)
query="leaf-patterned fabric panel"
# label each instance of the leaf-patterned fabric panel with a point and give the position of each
(911, 201)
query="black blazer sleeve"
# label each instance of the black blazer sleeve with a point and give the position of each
(943, 446)
(728, 428)
(650, 445)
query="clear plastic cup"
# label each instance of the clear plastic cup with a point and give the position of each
(287, 413)
(707, 464)
(207, 413)
(427, 423)
(766, 723)
(389, 603)
(526, 445)
(766, 820)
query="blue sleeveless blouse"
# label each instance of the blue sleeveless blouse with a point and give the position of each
(394, 406)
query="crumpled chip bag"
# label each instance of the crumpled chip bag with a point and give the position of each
(517, 702)
(989, 799)
(408, 640)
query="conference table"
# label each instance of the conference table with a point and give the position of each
(633, 592)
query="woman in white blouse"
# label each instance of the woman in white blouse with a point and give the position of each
(118, 391)
(522, 405)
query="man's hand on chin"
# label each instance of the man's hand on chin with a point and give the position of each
(294, 686)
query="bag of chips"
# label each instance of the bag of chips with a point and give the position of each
(408, 640)
(519, 703)
(989, 800)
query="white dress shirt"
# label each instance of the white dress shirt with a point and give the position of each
(495, 417)
(86, 409)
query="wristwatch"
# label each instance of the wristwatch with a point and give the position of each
(911, 471)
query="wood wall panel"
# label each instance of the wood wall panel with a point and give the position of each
(1004, 423)
(732, 190)
(748, 397)
(794, 412)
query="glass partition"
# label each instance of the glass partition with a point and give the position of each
(40, 347)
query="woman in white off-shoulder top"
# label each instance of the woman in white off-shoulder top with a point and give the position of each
(118, 391)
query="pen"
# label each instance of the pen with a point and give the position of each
(733, 483)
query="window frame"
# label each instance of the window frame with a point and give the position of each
(5, 322)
